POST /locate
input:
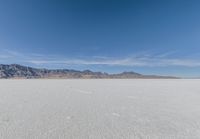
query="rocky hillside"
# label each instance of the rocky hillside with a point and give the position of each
(18, 71)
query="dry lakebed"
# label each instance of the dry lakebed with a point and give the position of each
(100, 109)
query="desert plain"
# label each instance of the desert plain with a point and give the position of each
(100, 109)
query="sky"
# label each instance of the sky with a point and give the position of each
(147, 36)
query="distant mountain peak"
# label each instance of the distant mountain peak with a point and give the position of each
(19, 71)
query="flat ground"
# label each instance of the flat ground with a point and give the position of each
(100, 109)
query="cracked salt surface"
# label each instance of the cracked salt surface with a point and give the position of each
(99, 109)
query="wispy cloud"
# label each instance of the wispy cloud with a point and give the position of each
(137, 60)
(129, 61)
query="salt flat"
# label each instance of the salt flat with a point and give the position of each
(100, 109)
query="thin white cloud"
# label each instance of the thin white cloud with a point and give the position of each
(143, 59)
(4, 56)
(139, 62)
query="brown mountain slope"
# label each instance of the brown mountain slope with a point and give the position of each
(18, 71)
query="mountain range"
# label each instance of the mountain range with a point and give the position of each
(24, 72)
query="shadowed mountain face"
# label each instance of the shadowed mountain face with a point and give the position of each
(18, 71)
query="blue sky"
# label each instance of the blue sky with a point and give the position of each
(151, 37)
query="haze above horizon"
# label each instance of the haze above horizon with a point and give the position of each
(149, 37)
